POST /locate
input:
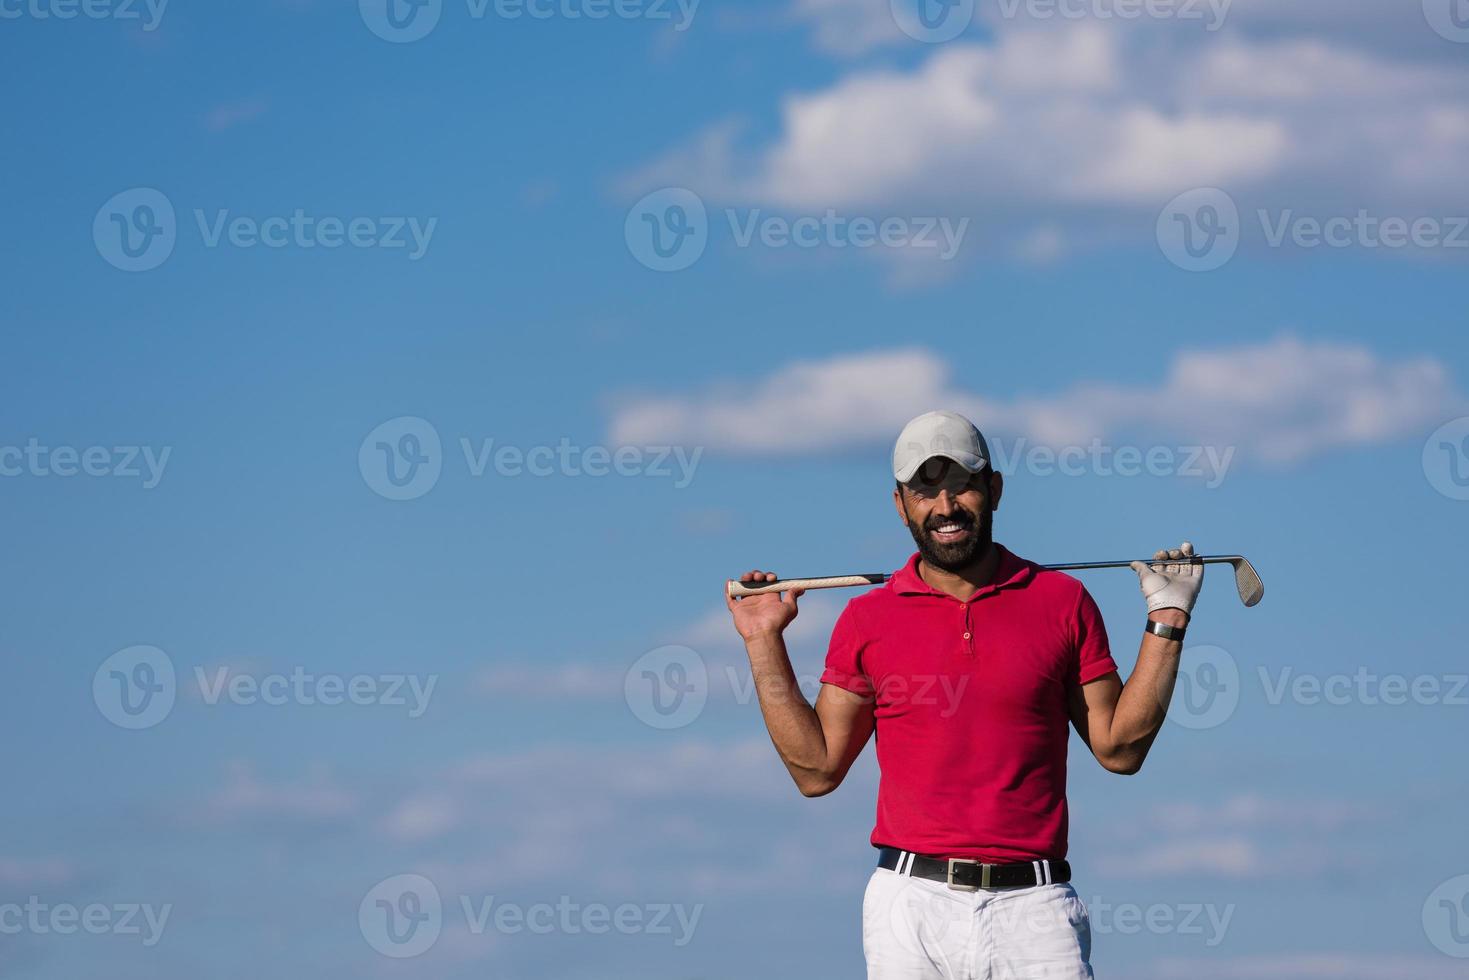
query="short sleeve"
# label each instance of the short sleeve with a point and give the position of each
(1093, 653)
(844, 656)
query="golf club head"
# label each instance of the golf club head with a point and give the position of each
(1247, 581)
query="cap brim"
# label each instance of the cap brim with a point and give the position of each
(969, 461)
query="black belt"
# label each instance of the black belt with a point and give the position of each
(966, 875)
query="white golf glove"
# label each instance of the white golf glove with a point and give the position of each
(1170, 586)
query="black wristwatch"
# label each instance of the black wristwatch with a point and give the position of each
(1164, 630)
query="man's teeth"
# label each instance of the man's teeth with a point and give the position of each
(950, 528)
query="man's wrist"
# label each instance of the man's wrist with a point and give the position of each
(765, 639)
(1169, 616)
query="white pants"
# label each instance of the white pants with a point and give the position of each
(916, 929)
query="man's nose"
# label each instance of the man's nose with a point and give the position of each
(944, 502)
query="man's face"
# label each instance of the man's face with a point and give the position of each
(950, 512)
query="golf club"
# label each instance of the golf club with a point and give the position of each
(1246, 579)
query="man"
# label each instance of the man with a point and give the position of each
(968, 664)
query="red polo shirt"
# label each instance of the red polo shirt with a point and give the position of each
(972, 722)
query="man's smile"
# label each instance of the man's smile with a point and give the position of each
(951, 531)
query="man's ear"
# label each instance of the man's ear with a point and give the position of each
(902, 507)
(997, 488)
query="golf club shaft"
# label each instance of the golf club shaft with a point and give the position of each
(737, 589)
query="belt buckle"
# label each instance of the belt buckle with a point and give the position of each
(984, 875)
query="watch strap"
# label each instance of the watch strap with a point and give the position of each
(1164, 630)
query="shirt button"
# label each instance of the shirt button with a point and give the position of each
(966, 636)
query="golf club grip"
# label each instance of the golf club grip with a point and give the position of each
(737, 589)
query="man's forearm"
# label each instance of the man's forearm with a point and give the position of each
(1143, 703)
(793, 724)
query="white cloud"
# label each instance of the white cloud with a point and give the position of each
(312, 803)
(20, 874)
(1282, 401)
(1087, 124)
(850, 28)
(573, 681)
(1230, 857)
(1248, 835)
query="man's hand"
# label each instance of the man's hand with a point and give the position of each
(769, 614)
(1170, 585)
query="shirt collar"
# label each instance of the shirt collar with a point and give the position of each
(1012, 570)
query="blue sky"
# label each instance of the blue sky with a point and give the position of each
(240, 524)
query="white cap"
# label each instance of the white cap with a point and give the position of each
(946, 434)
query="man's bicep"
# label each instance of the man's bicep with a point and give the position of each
(847, 722)
(1092, 705)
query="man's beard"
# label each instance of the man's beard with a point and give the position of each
(959, 555)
